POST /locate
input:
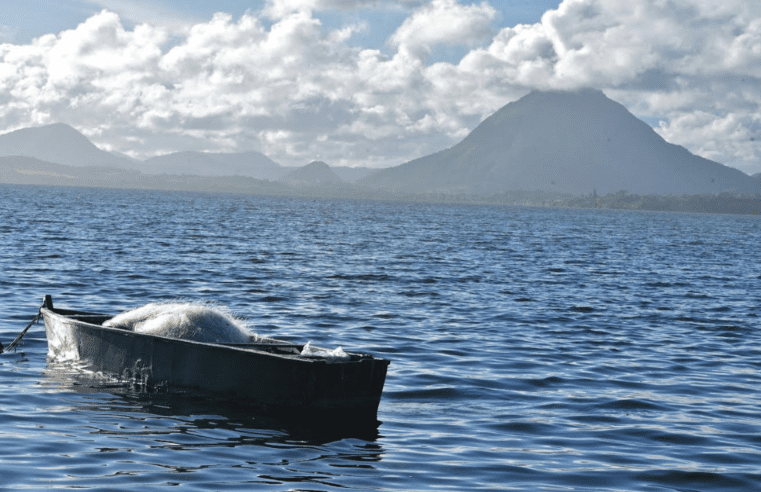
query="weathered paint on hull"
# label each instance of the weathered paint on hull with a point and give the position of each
(288, 386)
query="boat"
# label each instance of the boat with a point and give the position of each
(270, 375)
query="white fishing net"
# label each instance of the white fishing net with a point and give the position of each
(188, 321)
(311, 351)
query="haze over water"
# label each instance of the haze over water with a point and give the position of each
(531, 349)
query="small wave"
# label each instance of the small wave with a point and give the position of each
(721, 309)
(582, 309)
(523, 427)
(548, 381)
(629, 405)
(472, 278)
(659, 285)
(731, 328)
(273, 299)
(412, 293)
(680, 439)
(365, 277)
(689, 481)
(576, 262)
(696, 295)
(691, 319)
(448, 392)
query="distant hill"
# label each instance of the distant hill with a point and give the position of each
(31, 171)
(28, 170)
(570, 142)
(251, 164)
(352, 174)
(60, 144)
(313, 174)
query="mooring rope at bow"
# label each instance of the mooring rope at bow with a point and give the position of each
(15, 342)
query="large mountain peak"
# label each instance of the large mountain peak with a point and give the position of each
(563, 141)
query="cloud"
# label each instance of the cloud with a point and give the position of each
(279, 81)
(698, 130)
(80, 74)
(444, 22)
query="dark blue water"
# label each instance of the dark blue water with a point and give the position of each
(531, 349)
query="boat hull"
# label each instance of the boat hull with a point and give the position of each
(269, 376)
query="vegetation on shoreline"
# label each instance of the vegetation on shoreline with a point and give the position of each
(722, 203)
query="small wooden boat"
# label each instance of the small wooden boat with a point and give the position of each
(270, 374)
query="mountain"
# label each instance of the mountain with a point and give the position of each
(60, 144)
(576, 142)
(251, 164)
(313, 174)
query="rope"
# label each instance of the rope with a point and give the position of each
(20, 335)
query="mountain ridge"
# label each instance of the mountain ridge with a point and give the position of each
(568, 142)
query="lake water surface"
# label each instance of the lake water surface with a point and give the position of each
(531, 349)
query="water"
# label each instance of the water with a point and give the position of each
(531, 349)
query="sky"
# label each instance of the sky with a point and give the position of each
(372, 82)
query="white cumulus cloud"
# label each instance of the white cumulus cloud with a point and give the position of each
(444, 22)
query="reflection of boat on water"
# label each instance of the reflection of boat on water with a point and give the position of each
(270, 375)
(186, 410)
